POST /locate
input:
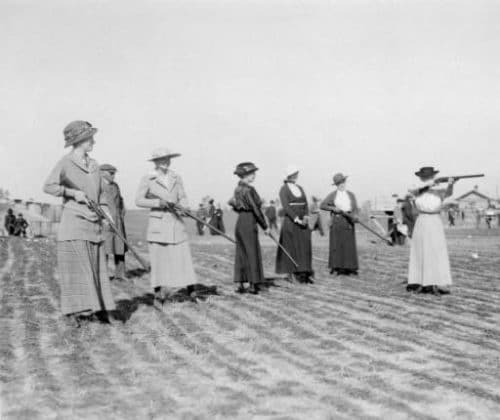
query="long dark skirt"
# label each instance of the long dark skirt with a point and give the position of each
(343, 252)
(217, 223)
(248, 259)
(297, 241)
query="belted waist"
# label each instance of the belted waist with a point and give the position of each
(428, 212)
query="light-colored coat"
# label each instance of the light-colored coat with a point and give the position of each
(78, 222)
(164, 226)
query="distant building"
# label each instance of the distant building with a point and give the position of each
(474, 200)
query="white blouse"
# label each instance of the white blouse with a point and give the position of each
(343, 201)
(429, 202)
(294, 189)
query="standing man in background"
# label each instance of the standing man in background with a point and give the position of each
(315, 222)
(10, 222)
(20, 226)
(272, 216)
(114, 246)
(201, 213)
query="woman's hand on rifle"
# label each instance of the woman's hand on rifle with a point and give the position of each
(80, 197)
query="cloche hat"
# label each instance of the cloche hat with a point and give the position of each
(77, 131)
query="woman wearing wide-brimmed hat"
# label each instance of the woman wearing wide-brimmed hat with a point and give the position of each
(247, 203)
(295, 235)
(429, 269)
(170, 255)
(344, 211)
(81, 256)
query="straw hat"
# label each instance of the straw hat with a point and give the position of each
(77, 131)
(339, 179)
(161, 153)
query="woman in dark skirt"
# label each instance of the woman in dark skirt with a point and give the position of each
(295, 234)
(344, 210)
(247, 203)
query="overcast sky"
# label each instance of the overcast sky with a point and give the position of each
(372, 89)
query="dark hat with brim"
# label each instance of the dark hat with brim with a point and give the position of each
(78, 131)
(426, 171)
(245, 168)
(107, 167)
(339, 179)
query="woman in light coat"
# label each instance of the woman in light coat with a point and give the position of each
(81, 257)
(163, 192)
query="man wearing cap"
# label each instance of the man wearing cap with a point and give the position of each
(115, 248)
(344, 211)
(162, 192)
(81, 257)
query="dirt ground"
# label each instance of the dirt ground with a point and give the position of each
(343, 348)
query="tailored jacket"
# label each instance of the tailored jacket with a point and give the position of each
(165, 226)
(78, 222)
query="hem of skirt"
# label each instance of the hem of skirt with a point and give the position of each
(167, 243)
(91, 310)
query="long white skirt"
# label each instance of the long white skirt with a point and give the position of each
(171, 265)
(429, 261)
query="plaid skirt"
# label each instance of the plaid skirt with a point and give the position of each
(83, 278)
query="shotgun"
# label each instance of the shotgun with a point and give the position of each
(443, 179)
(102, 215)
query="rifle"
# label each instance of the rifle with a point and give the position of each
(192, 216)
(284, 250)
(102, 215)
(443, 179)
(368, 228)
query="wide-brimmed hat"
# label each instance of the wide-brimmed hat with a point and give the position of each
(290, 171)
(339, 179)
(245, 168)
(107, 167)
(426, 171)
(161, 153)
(77, 131)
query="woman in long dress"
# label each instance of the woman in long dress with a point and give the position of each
(81, 255)
(247, 203)
(429, 269)
(295, 234)
(344, 213)
(161, 191)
